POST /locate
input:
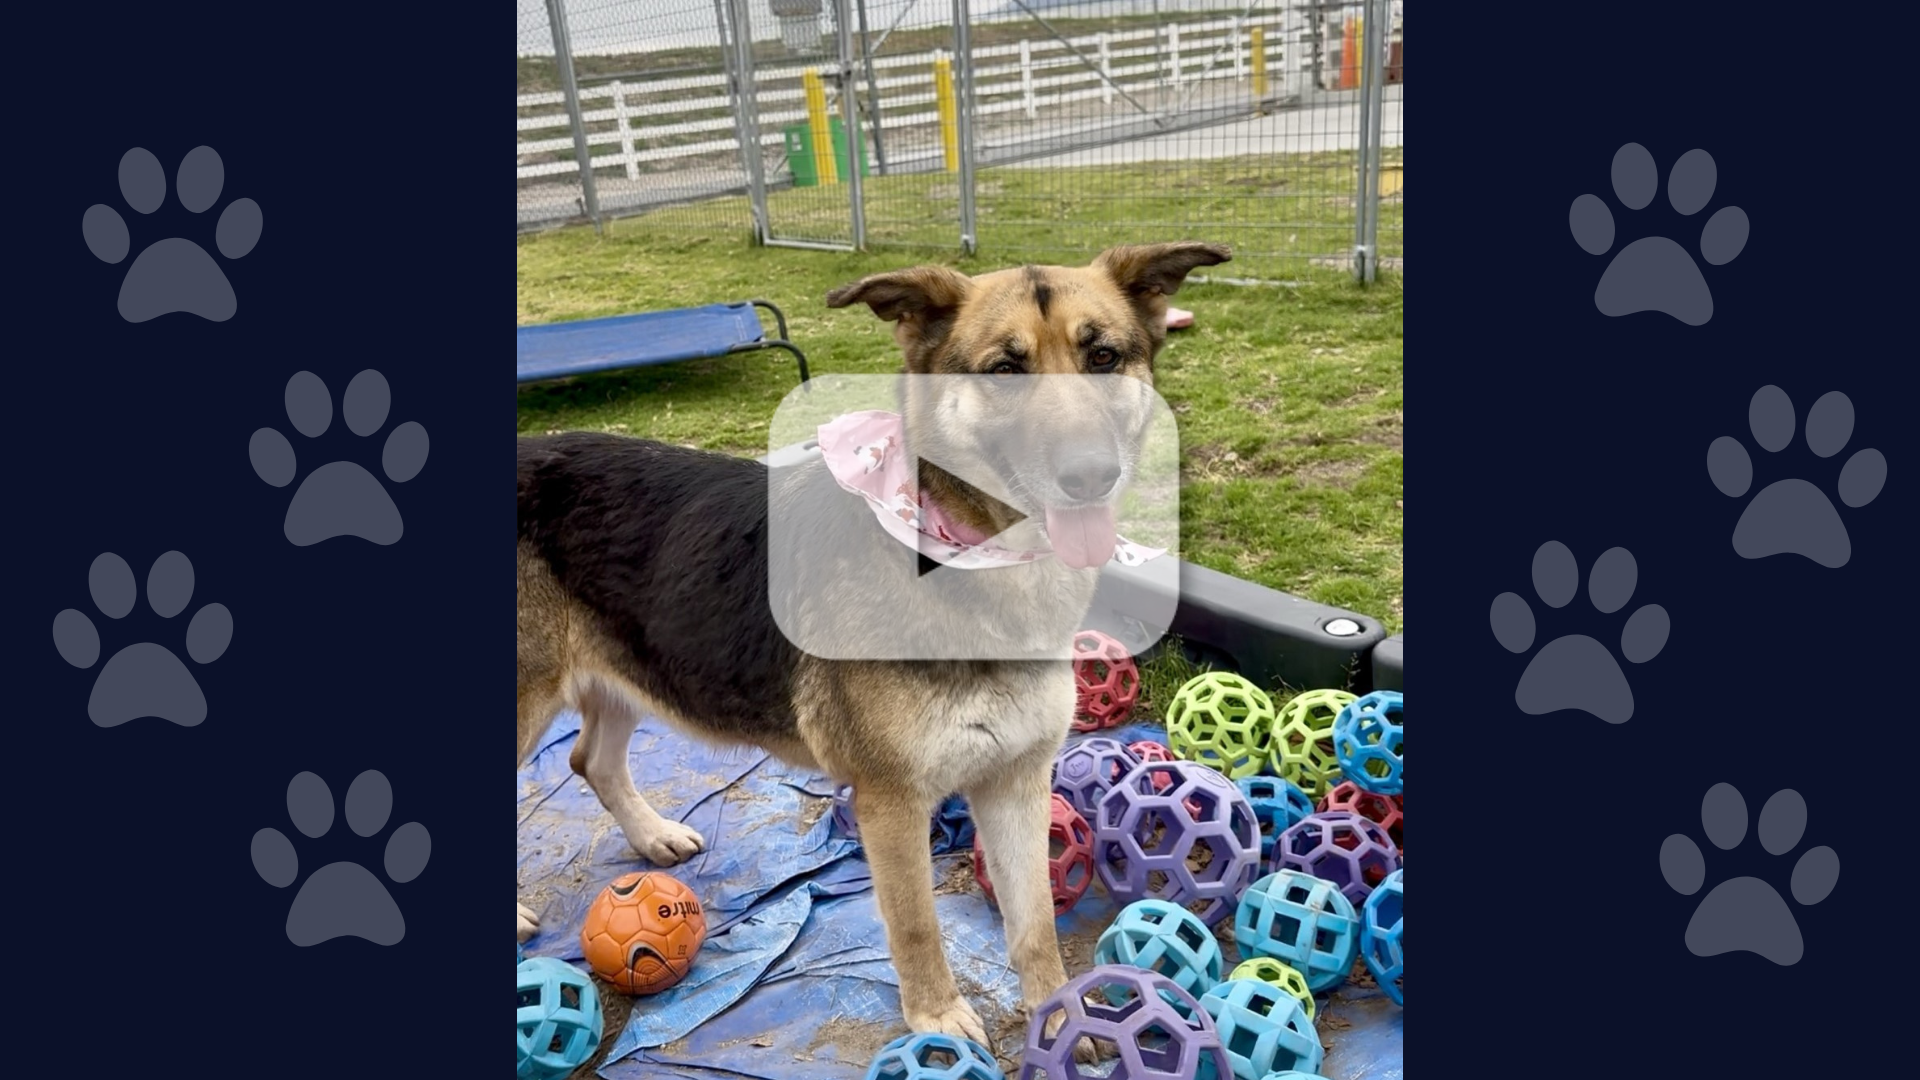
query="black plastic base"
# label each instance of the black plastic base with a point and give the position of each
(1232, 624)
(1389, 664)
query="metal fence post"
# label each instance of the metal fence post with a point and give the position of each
(850, 116)
(1366, 217)
(963, 58)
(747, 116)
(563, 63)
(873, 91)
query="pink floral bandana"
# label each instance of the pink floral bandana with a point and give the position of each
(864, 451)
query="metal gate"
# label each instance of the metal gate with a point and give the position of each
(801, 127)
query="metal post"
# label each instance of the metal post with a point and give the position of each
(1366, 217)
(747, 117)
(850, 116)
(963, 59)
(1377, 53)
(563, 62)
(873, 90)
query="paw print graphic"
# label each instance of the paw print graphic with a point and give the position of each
(1575, 671)
(174, 274)
(1793, 516)
(342, 899)
(144, 679)
(340, 498)
(1746, 914)
(1655, 273)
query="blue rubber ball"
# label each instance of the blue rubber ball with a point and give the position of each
(933, 1056)
(558, 1018)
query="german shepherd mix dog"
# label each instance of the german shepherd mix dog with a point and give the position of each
(643, 587)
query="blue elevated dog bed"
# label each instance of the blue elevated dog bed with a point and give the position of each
(561, 350)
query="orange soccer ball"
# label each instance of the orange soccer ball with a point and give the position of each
(642, 932)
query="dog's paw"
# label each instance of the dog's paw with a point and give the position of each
(529, 922)
(1083, 1051)
(956, 1018)
(669, 843)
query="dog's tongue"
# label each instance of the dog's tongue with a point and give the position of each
(1082, 538)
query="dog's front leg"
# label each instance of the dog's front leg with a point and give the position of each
(893, 829)
(1013, 817)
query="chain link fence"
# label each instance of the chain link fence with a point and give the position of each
(1025, 129)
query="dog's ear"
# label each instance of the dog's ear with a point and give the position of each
(1149, 273)
(920, 302)
(920, 293)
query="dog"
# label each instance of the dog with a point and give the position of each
(642, 586)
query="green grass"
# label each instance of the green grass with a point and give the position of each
(1289, 399)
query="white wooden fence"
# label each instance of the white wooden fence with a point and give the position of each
(663, 120)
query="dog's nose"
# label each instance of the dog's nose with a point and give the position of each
(1087, 474)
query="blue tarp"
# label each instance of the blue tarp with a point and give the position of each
(795, 981)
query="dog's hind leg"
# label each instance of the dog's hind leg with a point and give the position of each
(893, 829)
(1012, 815)
(607, 723)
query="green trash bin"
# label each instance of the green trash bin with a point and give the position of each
(799, 139)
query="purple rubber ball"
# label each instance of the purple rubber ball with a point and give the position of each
(1084, 771)
(1341, 848)
(1194, 842)
(1158, 1029)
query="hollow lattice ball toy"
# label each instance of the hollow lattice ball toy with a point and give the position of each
(1353, 853)
(1275, 973)
(933, 1056)
(1159, 1031)
(1381, 935)
(1262, 1027)
(642, 932)
(1367, 742)
(1302, 922)
(558, 1018)
(1221, 720)
(1194, 843)
(1166, 938)
(1106, 680)
(1084, 771)
(1069, 857)
(1302, 746)
(1277, 806)
(1148, 750)
(1385, 811)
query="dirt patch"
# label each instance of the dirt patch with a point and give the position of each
(1360, 976)
(1340, 474)
(1006, 1028)
(614, 1009)
(1077, 951)
(815, 810)
(958, 877)
(853, 1041)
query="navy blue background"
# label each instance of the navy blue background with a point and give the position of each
(1537, 418)
(137, 910)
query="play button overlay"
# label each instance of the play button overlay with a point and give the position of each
(968, 517)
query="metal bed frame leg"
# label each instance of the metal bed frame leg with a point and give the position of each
(780, 319)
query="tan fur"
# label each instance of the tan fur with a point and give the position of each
(904, 734)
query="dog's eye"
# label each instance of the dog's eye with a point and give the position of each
(1104, 359)
(1005, 367)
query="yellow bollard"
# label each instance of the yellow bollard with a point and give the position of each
(1259, 63)
(943, 103)
(823, 161)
